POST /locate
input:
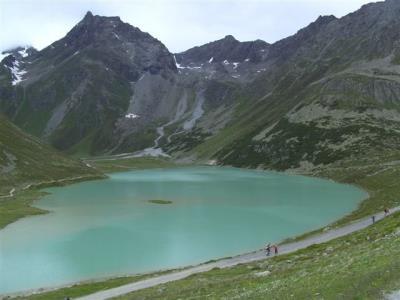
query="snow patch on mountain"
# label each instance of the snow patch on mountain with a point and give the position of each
(179, 66)
(23, 52)
(131, 116)
(17, 73)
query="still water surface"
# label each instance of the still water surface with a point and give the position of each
(108, 227)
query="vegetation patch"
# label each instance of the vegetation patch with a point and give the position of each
(14, 208)
(160, 201)
(27, 164)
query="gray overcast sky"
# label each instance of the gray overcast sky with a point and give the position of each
(179, 24)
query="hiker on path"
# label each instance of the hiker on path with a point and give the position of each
(386, 212)
(268, 249)
(276, 249)
(373, 219)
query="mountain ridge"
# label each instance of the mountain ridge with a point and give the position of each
(114, 89)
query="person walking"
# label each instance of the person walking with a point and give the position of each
(386, 211)
(373, 219)
(268, 249)
(276, 249)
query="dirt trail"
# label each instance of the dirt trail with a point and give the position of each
(13, 191)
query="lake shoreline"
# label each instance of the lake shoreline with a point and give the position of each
(93, 280)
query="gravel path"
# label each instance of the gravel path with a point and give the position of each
(393, 296)
(10, 194)
(229, 262)
(28, 186)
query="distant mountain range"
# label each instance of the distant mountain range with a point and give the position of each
(328, 92)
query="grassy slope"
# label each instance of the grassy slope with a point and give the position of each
(377, 173)
(85, 288)
(368, 264)
(24, 161)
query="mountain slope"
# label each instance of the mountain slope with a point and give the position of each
(328, 92)
(80, 86)
(108, 87)
(25, 160)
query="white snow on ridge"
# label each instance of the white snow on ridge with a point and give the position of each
(131, 116)
(225, 62)
(235, 65)
(192, 68)
(16, 73)
(178, 65)
(247, 59)
(211, 60)
(23, 52)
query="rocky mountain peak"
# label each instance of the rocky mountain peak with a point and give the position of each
(322, 20)
(225, 49)
(117, 44)
(98, 29)
(88, 15)
(89, 18)
(19, 52)
(229, 38)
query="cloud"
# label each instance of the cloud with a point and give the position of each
(179, 24)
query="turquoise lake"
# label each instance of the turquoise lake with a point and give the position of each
(107, 227)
